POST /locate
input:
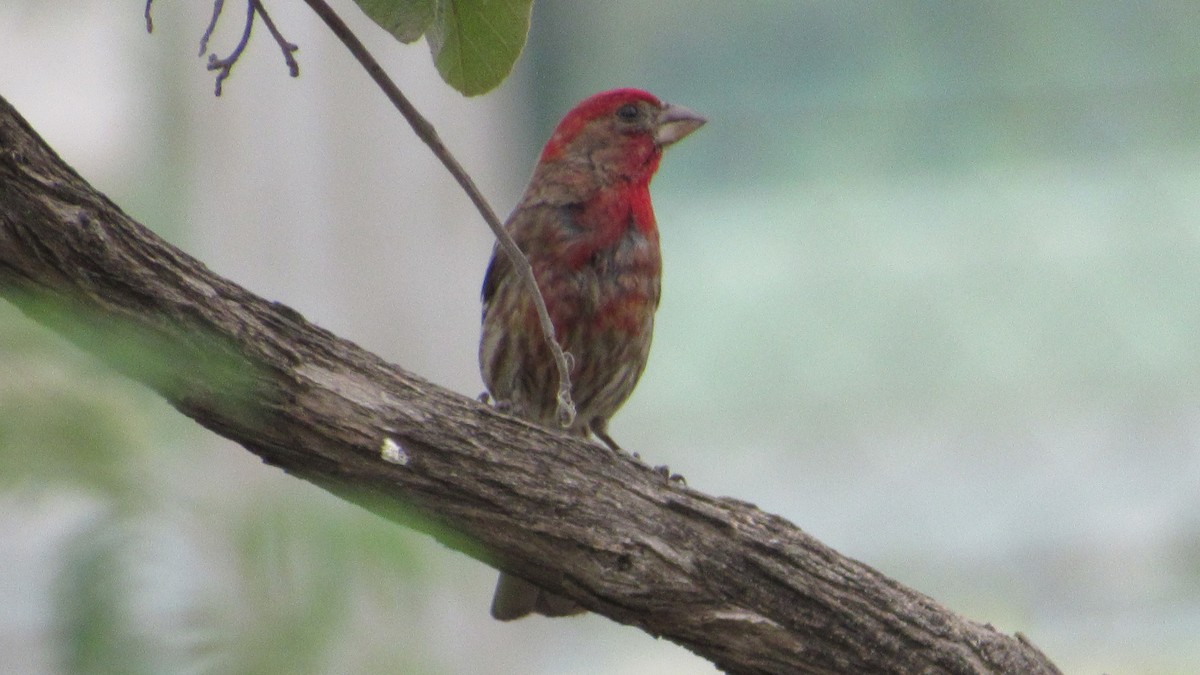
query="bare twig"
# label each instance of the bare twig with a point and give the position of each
(426, 132)
(288, 48)
(218, 5)
(225, 65)
(149, 21)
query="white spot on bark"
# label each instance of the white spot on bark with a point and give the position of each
(392, 452)
(741, 615)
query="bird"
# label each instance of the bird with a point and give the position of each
(586, 225)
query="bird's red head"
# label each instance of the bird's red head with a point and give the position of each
(622, 132)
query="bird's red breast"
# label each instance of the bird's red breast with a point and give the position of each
(588, 229)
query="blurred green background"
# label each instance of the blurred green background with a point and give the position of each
(930, 293)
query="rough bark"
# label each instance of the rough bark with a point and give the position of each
(746, 589)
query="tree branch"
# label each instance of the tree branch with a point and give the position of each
(741, 587)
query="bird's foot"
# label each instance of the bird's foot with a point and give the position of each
(505, 407)
(668, 477)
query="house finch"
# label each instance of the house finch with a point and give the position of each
(586, 225)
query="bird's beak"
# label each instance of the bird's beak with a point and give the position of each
(675, 122)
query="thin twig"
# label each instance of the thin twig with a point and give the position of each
(218, 5)
(426, 132)
(149, 21)
(225, 65)
(286, 47)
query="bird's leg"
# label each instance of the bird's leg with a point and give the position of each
(599, 428)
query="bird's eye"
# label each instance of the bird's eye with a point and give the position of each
(627, 112)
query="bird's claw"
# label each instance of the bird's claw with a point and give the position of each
(505, 407)
(665, 472)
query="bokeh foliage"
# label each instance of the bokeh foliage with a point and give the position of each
(160, 572)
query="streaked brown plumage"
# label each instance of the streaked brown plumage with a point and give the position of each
(587, 227)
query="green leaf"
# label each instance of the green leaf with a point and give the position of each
(407, 20)
(476, 42)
